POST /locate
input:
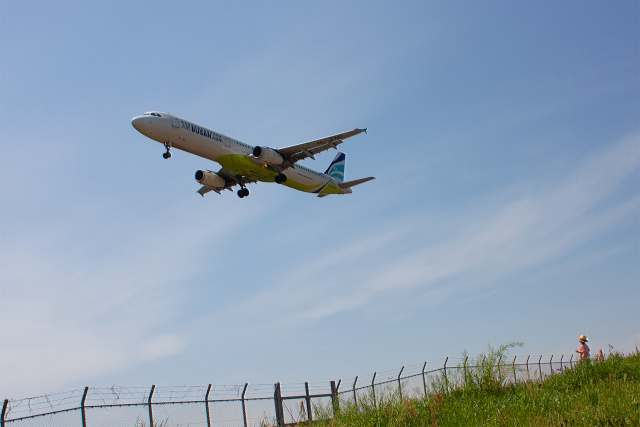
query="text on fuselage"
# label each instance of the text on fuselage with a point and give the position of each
(201, 131)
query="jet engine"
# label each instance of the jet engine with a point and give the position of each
(210, 179)
(268, 156)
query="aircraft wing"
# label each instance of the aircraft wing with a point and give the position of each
(205, 189)
(234, 177)
(305, 150)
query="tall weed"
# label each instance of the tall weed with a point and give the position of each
(592, 393)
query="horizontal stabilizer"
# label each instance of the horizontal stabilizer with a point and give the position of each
(350, 184)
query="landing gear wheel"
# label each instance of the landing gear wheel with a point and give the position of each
(281, 178)
(243, 192)
(168, 147)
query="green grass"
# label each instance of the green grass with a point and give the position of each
(592, 393)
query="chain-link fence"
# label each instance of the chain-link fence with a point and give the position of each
(256, 405)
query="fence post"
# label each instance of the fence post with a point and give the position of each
(4, 411)
(373, 387)
(446, 380)
(571, 361)
(424, 381)
(308, 398)
(464, 368)
(540, 366)
(355, 398)
(515, 379)
(400, 383)
(153, 387)
(335, 400)
(551, 364)
(244, 409)
(561, 368)
(206, 403)
(277, 397)
(84, 415)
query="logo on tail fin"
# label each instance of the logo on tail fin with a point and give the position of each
(336, 168)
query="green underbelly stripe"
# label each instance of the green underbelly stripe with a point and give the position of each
(241, 165)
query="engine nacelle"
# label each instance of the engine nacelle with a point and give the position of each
(210, 179)
(268, 156)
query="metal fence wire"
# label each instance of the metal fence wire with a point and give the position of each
(259, 404)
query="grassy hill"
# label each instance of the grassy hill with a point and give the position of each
(593, 393)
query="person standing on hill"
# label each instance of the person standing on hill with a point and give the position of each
(584, 348)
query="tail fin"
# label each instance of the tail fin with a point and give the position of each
(336, 168)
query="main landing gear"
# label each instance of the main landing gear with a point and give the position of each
(243, 192)
(281, 178)
(168, 147)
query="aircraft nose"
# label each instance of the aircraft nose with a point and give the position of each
(137, 123)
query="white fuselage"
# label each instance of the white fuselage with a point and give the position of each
(234, 155)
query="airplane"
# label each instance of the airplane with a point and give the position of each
(243, 164)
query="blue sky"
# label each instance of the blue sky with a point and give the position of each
(505, 138)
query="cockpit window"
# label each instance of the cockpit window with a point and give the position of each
(152, 114)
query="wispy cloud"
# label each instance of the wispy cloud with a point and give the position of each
(69, 315)
(334, 82)
(96, 315)
(524, 230)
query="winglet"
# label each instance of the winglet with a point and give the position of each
(364, 130)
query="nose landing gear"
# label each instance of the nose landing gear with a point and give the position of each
(168, 147)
